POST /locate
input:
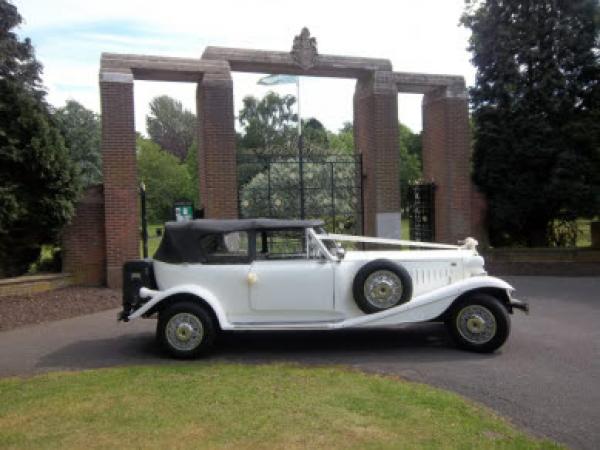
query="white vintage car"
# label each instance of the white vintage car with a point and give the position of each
(266, 274)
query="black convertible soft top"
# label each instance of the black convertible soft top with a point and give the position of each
(181, 240)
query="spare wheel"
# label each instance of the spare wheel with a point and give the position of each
(380, 285)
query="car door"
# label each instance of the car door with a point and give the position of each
(283, 277)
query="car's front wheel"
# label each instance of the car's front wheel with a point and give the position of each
(186, 330)
(479, 323)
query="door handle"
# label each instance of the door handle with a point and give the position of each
(251, 278)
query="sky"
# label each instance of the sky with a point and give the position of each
(416, 36)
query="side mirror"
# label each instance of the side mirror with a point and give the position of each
(340, 253)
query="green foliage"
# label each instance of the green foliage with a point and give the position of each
(80, 128)
(314, 135)
(270, 132)
(410, 161)
(342, 140)
(166, 178)
(536, 110)
(37, 179)
(191, 164)
(269, 125)
(17, 59)
(409, 147)
(269, 129)
(171, 126)
(283, 178)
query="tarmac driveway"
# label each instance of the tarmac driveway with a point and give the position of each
(546, 378)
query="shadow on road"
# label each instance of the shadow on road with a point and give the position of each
(418, 343)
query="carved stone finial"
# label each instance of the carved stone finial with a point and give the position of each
(304, 51)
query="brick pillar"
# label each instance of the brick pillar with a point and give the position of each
(83, 240)
(447, 160)
(376, 139)
(216, 147)
(120, 173)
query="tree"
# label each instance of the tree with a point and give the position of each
(314, 135)
(410, 161)
(167, 180)
(80, 128)
(282, 183)
(171, 126)
(343, 140)
(191, 164)
(37, 179)
(269, 124)
(17, 59)
(535, 109)
(409, 148)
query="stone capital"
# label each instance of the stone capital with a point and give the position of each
(453, 91)
(116, 76)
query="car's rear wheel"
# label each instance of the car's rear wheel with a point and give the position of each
(186, 330)
(479, 323)
(380, 285)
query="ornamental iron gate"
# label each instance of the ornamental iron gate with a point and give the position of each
(421, 212)
(326, 187)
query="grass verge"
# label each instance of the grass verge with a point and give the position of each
(243, 406)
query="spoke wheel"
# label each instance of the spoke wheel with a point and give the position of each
(479, 323)
(380, 285)
(383, 289)
(186, 329)
(476, 324)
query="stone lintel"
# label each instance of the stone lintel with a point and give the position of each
(422, 83)
(157, 68)
(264, 61)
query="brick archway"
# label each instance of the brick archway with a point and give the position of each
(446, 142)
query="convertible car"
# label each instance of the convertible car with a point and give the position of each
(267, 274)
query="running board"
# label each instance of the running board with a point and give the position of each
(313, 325)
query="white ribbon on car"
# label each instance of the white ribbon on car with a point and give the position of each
(468, 243)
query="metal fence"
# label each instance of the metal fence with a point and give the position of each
(421, 212)
(324, 186)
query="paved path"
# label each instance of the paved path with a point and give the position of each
(546, 378)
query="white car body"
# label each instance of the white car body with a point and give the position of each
(316, 292)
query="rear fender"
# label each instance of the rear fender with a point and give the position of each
(190, 290)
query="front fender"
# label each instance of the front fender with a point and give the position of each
(484, 281)
(426, 306)
(189, 289)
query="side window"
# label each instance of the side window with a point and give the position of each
(230, 248)
(281, 244)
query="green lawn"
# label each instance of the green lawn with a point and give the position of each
(405, 229)
(243, 406)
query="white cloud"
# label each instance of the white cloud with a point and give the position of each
(69, 36)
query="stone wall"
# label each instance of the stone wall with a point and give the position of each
(83, 240)
(542, 261)
(33, 284)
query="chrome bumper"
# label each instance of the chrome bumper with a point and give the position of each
(519, 304)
